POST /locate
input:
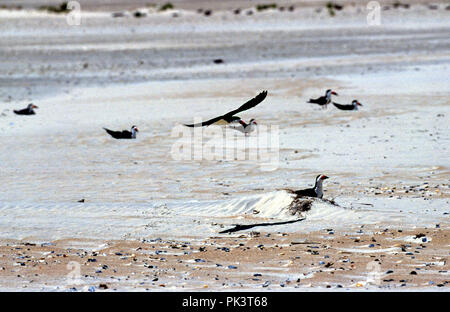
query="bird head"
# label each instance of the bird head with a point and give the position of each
(330, 92)
(31, 106)
(321, 177)
(135, 128)
(253, 122)
(356, 102)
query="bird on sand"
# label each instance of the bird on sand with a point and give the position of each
(125, 134)
(29, 110)
(323, 101)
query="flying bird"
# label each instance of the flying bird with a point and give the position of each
(323, 100)
(125, 134)
(353, 106)
(244, 127)
(231, 117)
(316, 191)
(27, 111)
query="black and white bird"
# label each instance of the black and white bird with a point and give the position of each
(125, 134)
(323, 100)
(244, 127)
(27, 111)
(234, 121)
(353, 106)
(316, 191)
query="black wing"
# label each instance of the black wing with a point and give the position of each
(307, 192)
(229, 117)
(249, 104)
(319, 100)
(343, 107)
(119, 134)
(24, 111)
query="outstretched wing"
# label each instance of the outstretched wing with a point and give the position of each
(229, 117)
(217, 120)
(249, 104)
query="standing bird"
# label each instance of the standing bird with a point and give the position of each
(244, 127)
(125, 134)
(353, 106)
(27, 111)
(231, 117)
(323, 100)
(316, 191)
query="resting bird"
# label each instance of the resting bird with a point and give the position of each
(231, 117)
(323, 100)
(316, 191)
(125, 134)
(353, 106)
(27, 111)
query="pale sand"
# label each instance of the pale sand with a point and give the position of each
(388, 163)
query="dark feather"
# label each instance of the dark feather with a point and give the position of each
(230, 116)
(306, 192)
(24, 111)
(321, 100)
(125, 134)
(344, 107)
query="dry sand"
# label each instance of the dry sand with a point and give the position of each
(388, 163)
(387, 259)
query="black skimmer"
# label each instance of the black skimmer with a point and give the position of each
(244, 127)
(231, 118)
(353, 106)
(316, 191)
(125, 134)
(323, 100)
(27, 111)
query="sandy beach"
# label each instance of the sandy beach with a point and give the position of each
(80, 211)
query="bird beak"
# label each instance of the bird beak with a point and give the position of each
(136, 129)
(34, 106)
(255, 123)
(359, 104)
(324, 177)
(332, 92)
